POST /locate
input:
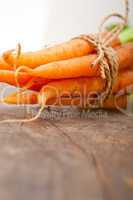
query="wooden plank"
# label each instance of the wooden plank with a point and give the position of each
(66, 158)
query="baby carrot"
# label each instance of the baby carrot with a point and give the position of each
(71, 49)
(82, 66)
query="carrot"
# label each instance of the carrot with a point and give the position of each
(125, 80)
(4, 65)
(8, 77)
(21, 98)
(72, 87)
(80, 67)
(112, 102)
(71, 49)
(32, 98)
(38, 83)
(83, 86)
(24, 80)
(43, 100)
(116, 102)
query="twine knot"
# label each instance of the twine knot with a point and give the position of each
(107, 58)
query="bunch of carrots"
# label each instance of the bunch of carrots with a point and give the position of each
(63, 74)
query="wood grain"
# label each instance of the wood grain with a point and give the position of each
(67, 157)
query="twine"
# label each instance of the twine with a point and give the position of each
(107, 58)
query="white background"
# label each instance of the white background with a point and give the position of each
(35, 23)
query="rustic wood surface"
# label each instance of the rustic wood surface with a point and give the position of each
(66, 158)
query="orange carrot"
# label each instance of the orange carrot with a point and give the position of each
(21, 98)
(116, 102)
(32, 98)
(4, 65)
(8, 77)
(112, 102)
(71, 86)
(83, 86)
(38, 83)
(71, 49)
(125, 79)
(81, 67)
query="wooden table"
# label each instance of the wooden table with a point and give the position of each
(80, 158)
